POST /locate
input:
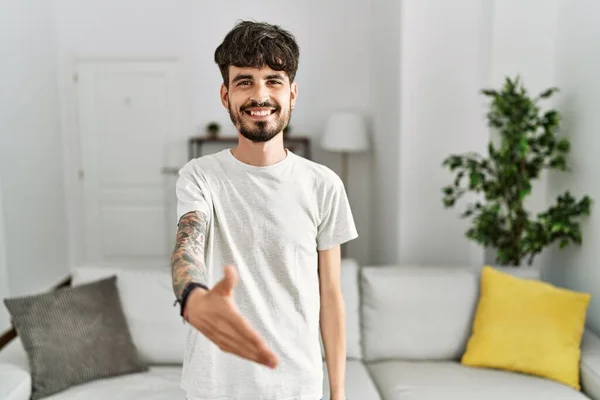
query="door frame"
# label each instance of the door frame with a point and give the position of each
(4, 275)
(71, 135)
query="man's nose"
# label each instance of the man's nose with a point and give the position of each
(261, 93)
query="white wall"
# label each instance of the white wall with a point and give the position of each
(444, 62)
(449, 52)
(333, 72)
(385, 105)
(30, 148)
(577, 65)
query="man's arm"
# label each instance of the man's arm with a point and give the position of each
(332, 319)
(213, 312)
(187, 260)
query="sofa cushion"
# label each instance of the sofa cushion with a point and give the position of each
(159, 383)
(359, 384)
(15, 383)
(73, 336)
(417, 313)
(449, 380)
(350, 290)
(147, 297)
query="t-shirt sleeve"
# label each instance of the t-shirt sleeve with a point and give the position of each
(191, 193)
(337, 223)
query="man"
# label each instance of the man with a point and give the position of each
(256, 266)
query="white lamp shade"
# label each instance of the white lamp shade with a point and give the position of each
(345, 132)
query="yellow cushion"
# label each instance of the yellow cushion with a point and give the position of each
(527, 326)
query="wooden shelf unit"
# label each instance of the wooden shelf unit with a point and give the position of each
(195, 144)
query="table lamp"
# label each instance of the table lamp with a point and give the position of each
(345, 133)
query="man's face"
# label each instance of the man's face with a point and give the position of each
(259, 101)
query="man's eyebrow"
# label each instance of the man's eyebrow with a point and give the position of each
(275, 76)
(240, 77)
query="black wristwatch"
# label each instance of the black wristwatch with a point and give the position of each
(186, 292)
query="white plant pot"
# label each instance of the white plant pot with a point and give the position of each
(522, 271)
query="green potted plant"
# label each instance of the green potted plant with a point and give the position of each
(502, 180)
(213, 129)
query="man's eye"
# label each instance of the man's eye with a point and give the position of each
(274, 82)
(244, 83)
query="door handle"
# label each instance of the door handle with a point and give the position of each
(170, 170)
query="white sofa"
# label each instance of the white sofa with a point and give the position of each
(407, 327)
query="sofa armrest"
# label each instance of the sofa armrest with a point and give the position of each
(590, 364)
(15, 383)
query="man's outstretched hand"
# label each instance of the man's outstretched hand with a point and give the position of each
(215, 315)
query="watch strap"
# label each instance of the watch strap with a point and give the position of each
(186, 292)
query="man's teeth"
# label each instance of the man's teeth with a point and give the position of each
(260, 113)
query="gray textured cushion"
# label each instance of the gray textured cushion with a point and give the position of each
(74, 335)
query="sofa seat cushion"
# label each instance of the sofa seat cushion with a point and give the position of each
(449, 380)
(158, 383)
(359, 384)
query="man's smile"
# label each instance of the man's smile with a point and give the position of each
(259, 113)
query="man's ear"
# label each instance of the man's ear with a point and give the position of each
(225, 96)
(293, 93)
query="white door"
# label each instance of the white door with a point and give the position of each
(128, 114)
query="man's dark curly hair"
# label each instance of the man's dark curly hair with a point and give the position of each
(258, 44)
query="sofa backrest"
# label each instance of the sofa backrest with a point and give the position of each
(349, 277)
(417, 312)
(156, 327)
(405, 312)
(147, 298)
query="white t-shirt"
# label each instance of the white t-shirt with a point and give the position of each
(269, 223)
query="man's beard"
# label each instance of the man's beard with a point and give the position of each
(260, 131)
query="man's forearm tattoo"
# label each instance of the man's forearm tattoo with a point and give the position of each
(187, 260)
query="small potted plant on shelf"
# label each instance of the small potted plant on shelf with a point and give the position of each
(212, 130)
(502, 180)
